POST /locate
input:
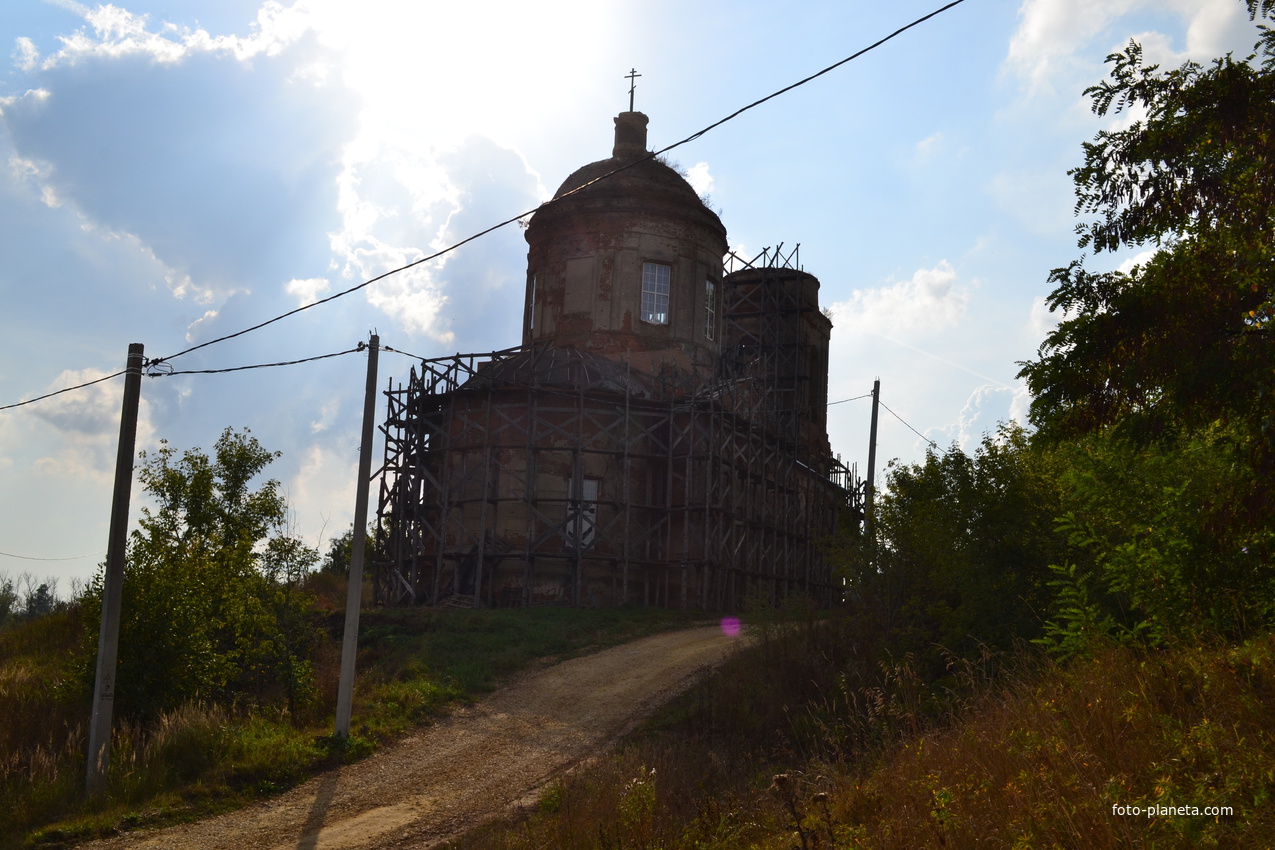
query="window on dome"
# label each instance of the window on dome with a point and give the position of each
(655, 288)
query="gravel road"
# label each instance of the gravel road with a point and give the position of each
(478, 762)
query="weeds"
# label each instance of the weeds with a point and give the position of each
(1034, 757)
(201, 758)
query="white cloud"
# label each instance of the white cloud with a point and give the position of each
(193, 330)
(118, 33)
(929, 144)
(1052, 35)
(327, 414)
(1041, 321)
(25, 54)
(321, 494)
(306, 291)
(1138, 259)
(974, 420)
(930, 300)
(699, 178)
(1051, 32)
(87, 424)
(1020, 404)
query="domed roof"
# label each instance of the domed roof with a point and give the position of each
(645, 184)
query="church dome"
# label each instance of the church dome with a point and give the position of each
(646, 184)
(627, 268)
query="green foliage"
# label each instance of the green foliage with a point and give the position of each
(1158, 385)
(963, 550)
(208, 610)
(1154, 553)
(340, 551)
(1182, 343)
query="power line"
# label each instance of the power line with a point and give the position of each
(844, 400)
(566, 195)
(59, 392)
(154, 369)
(154, 363)
(404, 353)
(909, 427)
(72, 558)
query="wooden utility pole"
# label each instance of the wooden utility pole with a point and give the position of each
(109, 632)
(354, 595)
(870, 496)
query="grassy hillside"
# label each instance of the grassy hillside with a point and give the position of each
(1044, 756)
(204, 758)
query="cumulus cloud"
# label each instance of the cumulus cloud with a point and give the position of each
(117, 32)
(202, 146)
(1020, 404)
(928, 301)
(306, 291)
(87, 424)
(1052, 34)
(699, 178)
(985, 407)
(25, 54)
(321, 493)
(1041, 322)
(399, 204)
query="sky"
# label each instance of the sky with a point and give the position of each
(177, 170)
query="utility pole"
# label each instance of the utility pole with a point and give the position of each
(109, 633)
(870, 496)
(354, 595)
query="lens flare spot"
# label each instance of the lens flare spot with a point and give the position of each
(730, 626)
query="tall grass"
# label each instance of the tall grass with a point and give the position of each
(205, 757)
(870, 756)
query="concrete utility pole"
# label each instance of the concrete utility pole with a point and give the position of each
(354, 596)
(870, 495)
(117, 539)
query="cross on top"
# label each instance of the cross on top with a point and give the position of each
(632, 76)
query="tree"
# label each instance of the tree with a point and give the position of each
(965, 544)
(341, 551)
(209, 611)
(1162, 378)
(1184, 340)
(1184, 343)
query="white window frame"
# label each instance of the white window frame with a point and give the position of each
(657, 279)
(710, 308)
(531, 311)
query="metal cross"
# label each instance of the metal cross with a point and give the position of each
(631, 77)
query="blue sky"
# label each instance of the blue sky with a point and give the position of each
(172, 172)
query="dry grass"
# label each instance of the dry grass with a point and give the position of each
(1036, 761)
(204, 758)
(1044, 761)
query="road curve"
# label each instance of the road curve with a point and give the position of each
(477, 763)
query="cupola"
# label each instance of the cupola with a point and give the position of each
(626, 262)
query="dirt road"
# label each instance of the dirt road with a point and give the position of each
(473, 765)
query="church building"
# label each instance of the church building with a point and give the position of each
(659, 437)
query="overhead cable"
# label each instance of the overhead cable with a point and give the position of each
(153, 365)
(63, 390)
(155, 370)
(565, 195)
(72, 558)
(909, 427)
